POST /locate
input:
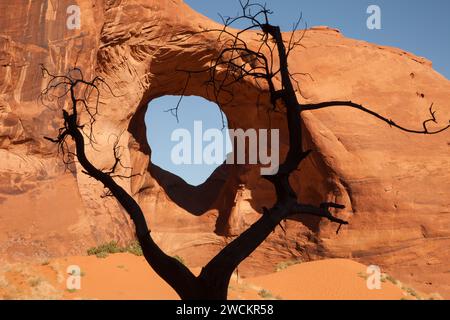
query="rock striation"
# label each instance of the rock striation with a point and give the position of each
(396, 186)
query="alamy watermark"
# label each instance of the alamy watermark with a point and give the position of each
(73, 281)
(74, 17)
(373, 281)
(374, 20)
(248, 147)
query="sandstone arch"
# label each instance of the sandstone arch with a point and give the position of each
(398, 223)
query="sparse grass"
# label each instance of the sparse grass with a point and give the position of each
(102, 255)
(286, 264)
(413, 293)
(112, 247)
(134, 248)
(410, 292)
(26, 283)
(267, 295)
(387, 277)
(363, 275)
(104, 249)
(435, 296)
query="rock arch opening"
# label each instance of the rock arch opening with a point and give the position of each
(188, 136)
(185, 216)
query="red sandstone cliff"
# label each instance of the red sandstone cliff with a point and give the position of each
(395, 185)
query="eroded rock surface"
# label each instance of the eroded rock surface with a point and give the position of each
(395, 185)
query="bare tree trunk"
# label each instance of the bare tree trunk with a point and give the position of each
(213, 281)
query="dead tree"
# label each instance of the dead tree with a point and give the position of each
(239, 61)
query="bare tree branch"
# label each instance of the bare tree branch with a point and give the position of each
(170, 269)
(426, 130)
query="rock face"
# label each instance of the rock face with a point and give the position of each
(395, 185)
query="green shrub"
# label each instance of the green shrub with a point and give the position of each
(265, 294)
(134, 248)
(363, 275)
(413, 293)
(107, 248)
(112, 247)
(389, 278)
(102, 255)
(286, 264)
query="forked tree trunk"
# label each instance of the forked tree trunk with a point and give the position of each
(213, 281)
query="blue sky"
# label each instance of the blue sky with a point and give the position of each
(420, 27)
(161, 125)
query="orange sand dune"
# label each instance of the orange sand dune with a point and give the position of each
(336, 279)
(126, 276)
(119, 276)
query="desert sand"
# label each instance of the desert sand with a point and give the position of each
(124, 276)
(395, 186)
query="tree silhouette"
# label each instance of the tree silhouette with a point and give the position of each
(235, 61)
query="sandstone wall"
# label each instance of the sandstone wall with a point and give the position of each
(395, 185)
